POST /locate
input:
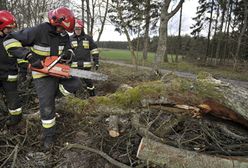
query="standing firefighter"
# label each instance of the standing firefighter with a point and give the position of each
(45, 40)
(84, 48)
(8, 71)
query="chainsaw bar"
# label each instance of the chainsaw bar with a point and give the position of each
(87, 74)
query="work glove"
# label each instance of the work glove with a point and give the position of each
(67, 56)
(35, 62)
(80, 64)
(96, 66)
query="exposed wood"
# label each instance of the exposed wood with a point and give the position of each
(172, 157)
(223, 100)
(221, 111)
(113, 126)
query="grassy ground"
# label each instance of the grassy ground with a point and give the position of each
(124, 56)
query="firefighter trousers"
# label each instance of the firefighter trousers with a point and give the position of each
(12, 97)
(89, 84)
(47, 89)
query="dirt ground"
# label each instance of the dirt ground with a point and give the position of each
(20, 145)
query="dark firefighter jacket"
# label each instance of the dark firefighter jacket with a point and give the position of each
(42, 40)
(85, 50)
(8, 66)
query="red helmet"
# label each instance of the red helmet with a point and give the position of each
(79, 23)
(63, 17)
(7, 20)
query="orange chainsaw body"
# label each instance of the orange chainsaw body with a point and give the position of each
(57, 70)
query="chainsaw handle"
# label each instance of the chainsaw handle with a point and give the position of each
(52, 67)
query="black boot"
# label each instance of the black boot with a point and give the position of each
(13, 120)
(92, 93)
(48, 142)
(49, 138)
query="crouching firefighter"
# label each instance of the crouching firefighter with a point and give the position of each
(9, 71)
(85, 49)
(45, 40)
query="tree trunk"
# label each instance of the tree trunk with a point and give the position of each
(130, 45)
(147, 28)
(220, 39)
(209, 31)
(82, 7)
(215, 32)
(221, 99)
(92, 17)
(88, 16)
(2, 5)
(226, 48)
(161, 53)
(241, 34)
(179, 35)
(172, 157)
(103, 21)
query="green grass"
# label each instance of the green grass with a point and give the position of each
(125, 56)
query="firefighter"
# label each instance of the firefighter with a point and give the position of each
(9, 71)
(85, 49)
(44, 40)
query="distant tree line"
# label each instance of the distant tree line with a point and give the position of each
(226, 22)
(227, 25)
(113, 44)
(191, 48)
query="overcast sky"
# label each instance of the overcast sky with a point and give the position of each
(189, 10)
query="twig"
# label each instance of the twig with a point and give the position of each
(142, 130)
(13, 152)
(15, 156)
(102, 154)
(26, 133)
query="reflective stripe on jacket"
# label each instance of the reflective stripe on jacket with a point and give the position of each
(42, 40)
(85, 48)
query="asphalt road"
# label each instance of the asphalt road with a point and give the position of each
(238, 83)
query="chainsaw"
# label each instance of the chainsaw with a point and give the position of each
(53, 67)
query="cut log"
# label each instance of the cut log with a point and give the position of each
(172, 157)
(113, 126)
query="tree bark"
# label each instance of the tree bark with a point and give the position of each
(2, 5)
(179, 34)
(241, 34)
(226, 49)
(103, 21)
(224, 100)
(172, 157)
(88, 16)
(82, 7)
(92, 17)
(215, 32)
(220, 39)
(130, 45)
(113, 126)
(147, 28)
(161, 53)
(209, 31)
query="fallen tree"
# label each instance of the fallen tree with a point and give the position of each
(204, 95)
(172, 157)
